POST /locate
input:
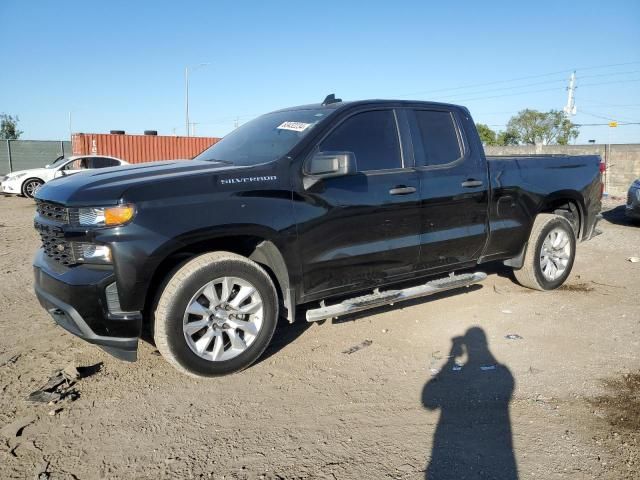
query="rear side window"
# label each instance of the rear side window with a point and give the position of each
(371, 136)
(439, 138)
(102, 162)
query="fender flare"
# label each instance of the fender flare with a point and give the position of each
(266, 253)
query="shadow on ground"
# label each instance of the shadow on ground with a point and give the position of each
(473, 437)
(617, 217)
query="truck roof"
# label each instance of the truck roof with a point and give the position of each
(341, 104)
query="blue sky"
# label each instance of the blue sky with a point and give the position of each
(120, 64)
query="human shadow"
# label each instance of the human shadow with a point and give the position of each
(473, 436)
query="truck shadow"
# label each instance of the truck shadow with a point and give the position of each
(287, 333)
(473, 436)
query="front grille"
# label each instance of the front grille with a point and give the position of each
(57, 248)
(53, 212)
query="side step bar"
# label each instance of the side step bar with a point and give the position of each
(376, 299)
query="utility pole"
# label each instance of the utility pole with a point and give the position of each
(570, 107)
(186, 99)
(186, 93)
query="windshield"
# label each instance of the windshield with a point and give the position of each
(58, 161)
(265, 138)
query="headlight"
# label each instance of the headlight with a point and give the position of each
(106, 216)
(91, 253)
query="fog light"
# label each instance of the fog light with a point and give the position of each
(91, 253)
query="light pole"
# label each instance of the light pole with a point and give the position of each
(186, 92)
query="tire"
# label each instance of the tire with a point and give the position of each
(201, 283)
(31, 186)
(541, 259)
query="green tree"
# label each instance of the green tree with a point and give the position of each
(507, 137)
(533, 127)
(487, 136)
(9, 127)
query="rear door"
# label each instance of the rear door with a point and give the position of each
(362, 229)
(453, 189)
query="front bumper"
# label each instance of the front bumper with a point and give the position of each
(10, 187)
(75, 298)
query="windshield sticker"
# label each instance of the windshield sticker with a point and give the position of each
(294, 126)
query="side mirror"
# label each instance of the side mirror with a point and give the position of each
(329, 164)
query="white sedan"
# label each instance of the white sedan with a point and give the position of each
(27, 182)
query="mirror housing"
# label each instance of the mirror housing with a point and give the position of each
(328, 165)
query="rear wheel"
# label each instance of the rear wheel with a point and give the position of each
(550, 253)
(31, 186)
(216, 315)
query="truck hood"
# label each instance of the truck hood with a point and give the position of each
(107, 186)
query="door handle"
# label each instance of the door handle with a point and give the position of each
(472, 183)
(402, 190)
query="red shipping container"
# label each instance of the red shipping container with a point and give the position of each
(140, 148)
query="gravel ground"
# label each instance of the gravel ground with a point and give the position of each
(372, 396)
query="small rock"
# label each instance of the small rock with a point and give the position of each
(71, 372)
(634, 259)
(384, 330)
(14, 429)
(55, 411)
(9, 358)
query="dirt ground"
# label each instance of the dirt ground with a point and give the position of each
(552, 393)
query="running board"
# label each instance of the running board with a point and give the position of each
(387, 297)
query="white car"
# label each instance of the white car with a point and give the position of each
(27, 182)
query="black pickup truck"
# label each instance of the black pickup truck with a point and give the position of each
(327, 205)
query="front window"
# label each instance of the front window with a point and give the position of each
(265, 138)
(59, 161)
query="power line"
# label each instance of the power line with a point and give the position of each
(604, 124)
(544, 90)
(604, 117)
(528, 77)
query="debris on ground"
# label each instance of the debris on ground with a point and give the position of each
(485, 368)
(61, 385)
(14, 429)
(8, 358)
(633, 259)
(621, 404)
(513, 336)
(507, 312)
(576, 287)
(360, 346)
(42, 471)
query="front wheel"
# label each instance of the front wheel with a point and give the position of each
(216, 315)
(31, 186)
(550, 253)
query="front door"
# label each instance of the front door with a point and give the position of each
(362, 229)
